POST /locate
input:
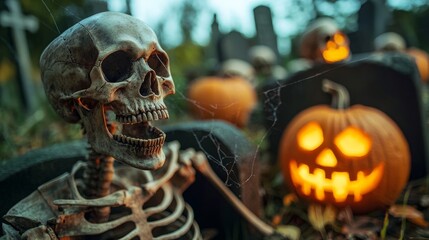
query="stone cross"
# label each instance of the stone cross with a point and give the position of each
(19, 23)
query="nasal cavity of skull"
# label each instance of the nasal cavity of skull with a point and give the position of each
(158, 62)
(150, 85)
(117, 66)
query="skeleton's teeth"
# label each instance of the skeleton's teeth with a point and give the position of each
(149, 116)
(151, 144)
(152, 115)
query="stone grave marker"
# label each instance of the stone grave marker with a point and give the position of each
(373, 18)
(233, 45)
(386, 82)
(19, 24)
(265, 34)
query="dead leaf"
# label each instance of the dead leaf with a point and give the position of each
(362, 226)
(320, 216)
(289, 199)
(289, 231)
(276, 220)
(410, 213)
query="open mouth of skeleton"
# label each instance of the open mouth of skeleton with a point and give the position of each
(136, 130)
(339, 184)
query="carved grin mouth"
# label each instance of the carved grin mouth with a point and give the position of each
(340, 184)
(136, 131)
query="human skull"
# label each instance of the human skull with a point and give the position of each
(110, 73)
(389, 41)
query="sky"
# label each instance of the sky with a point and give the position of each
(237, 15)
(232, 14)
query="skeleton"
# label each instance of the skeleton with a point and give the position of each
(109, 73)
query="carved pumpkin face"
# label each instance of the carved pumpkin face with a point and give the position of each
(336, 48)
(323, 41)
(355, 157)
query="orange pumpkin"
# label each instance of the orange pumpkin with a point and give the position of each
(422, 62)
(345, 156)
(230, 99)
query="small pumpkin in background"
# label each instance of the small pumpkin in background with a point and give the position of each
(231, 99)
(422, 62)
(345, 156)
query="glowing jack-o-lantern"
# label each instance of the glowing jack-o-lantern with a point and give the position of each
(346, 156)
(323, 41)
(336, 48)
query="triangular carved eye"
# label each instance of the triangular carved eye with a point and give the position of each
(353, 142)
(310, 136)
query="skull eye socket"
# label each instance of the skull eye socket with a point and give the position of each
(117, 66)
(158, 62)
(310, 136)
(353, 142)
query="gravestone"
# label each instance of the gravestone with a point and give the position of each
(213, 48)
(373, 17)
(229, 153)
(265, 34)
(388, 82)
(233, 45)
(19, 23)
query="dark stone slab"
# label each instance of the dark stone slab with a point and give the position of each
(387, 82)
(22, 175)
(235, 161)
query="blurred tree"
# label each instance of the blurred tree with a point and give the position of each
(412, 25)
(187, 59)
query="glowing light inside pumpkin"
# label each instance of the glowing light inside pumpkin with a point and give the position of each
(310, 136)
(336, 49)
(327, 158)
(353, 142)
(340, 185)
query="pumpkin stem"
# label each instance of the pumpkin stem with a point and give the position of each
(340, 95)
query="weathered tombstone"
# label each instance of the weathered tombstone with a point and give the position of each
(388, 82)
(235, 161)
(19, 23)
(229, 153)
(373, 17)
(265, 34)
(233, 45)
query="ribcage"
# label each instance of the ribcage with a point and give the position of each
(169, 217)
(164, 216)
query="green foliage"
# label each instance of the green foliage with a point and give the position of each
(412, 25)
(54, 16)
(186, 61)
(20, 132)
